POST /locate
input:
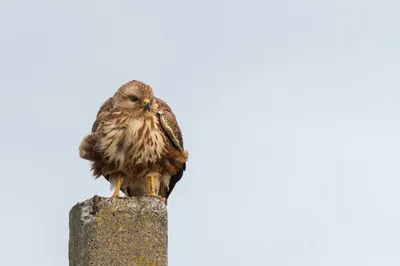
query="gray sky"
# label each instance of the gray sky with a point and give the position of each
(290, 111)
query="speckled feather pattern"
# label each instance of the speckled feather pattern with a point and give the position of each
(127, 141)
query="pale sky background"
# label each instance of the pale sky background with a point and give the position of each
(290, 111)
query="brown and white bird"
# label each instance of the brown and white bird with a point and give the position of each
(136, 143)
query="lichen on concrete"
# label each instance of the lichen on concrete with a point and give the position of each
(118, 231)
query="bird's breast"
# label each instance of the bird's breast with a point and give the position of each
(132, 141)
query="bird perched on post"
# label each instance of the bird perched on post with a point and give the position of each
(136, 143)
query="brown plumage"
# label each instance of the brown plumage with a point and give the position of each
(136, 143)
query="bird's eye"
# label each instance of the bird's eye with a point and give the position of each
(134, 98)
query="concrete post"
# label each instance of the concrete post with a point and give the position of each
(123, 231)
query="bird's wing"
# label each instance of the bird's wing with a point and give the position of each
(87, 148)
(170, 126)
(104, 110)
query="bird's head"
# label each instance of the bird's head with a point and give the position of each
(136, 97)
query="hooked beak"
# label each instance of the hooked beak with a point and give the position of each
(147, 104)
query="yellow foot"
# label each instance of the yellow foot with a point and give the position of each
(117, 187)
(152, 187)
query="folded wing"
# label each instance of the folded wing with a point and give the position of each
(171, 128)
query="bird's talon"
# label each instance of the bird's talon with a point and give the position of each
(164, 200)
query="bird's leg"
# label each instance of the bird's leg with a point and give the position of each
(152, 186)
(118, 187)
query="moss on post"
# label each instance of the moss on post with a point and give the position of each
(118, 231)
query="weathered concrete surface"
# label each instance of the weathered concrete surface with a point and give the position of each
(124, 231)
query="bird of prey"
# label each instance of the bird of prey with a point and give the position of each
(136, 143)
